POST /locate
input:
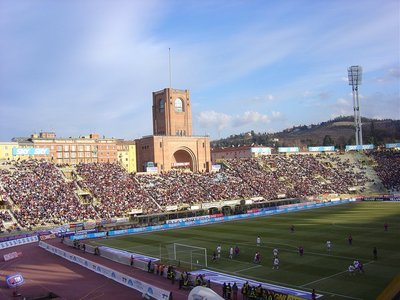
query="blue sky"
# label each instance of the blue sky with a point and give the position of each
(76, 67)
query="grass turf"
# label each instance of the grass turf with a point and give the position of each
(317, 268)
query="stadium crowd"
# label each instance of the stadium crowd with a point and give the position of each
(5, 217)
(172, 188)
(117, 193)
(388, 168)
(298, 175)
(177, 188)
(264, 182)
(306, 175)
(39, 194)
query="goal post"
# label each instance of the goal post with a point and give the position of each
(194, 256)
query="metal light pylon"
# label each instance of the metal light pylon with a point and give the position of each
(355, 73)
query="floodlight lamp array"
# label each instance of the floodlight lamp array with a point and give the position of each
(355, 75)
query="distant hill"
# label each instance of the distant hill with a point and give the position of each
(337, 132)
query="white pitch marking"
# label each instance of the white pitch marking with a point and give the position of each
(242, 270)
(318, 280)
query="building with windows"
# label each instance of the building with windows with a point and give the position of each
(86, 149)
(126, 155)
(172, 114)
(6, 150)
(172, 145)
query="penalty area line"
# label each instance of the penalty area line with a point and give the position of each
(324, 278)
(246, 269)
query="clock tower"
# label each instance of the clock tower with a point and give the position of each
(172, 145)
(172, 113)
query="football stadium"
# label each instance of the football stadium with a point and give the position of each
(183, 223)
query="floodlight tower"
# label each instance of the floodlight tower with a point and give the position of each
(354, 80)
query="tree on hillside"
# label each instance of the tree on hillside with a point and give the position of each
(351, 140)
(340, 142)
(328, 141)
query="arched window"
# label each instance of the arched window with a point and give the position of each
(178, 105)
(161, 105)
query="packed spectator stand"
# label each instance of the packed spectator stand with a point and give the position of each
(117, 191)
(37, 193)
(388, 168)
(40, 195)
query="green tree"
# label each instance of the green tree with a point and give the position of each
(341, 142)
(328, 141)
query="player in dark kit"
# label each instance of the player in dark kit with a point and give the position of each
(237, 250)
(350, 239)
(214, 256)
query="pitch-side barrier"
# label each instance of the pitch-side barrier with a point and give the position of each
(133, 283)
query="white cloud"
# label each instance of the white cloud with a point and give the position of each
(342, 107)
(393, 74)
(343, 102)
(213, 119)
(249, 117)
(276, 115)
(92, 64)
(344, 78)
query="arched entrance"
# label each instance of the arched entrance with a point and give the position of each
(184, 159)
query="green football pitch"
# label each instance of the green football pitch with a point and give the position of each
(318, 268)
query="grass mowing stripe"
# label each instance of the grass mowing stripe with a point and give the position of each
(250, 268)
(324, 278)
(308, 252)
(363, 220)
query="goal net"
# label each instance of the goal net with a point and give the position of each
(192, 256)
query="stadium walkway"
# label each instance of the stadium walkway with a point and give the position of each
(128, 270)
(45, 272)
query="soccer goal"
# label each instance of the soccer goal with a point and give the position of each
(194, 256)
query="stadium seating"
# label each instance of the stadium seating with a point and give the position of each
(37, 193)
(388, 168)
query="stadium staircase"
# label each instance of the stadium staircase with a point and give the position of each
(151, 196)
(363, 163)
(70, 175)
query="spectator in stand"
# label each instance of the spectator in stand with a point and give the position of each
(117, 191)
(41, 196)
(388, 168)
